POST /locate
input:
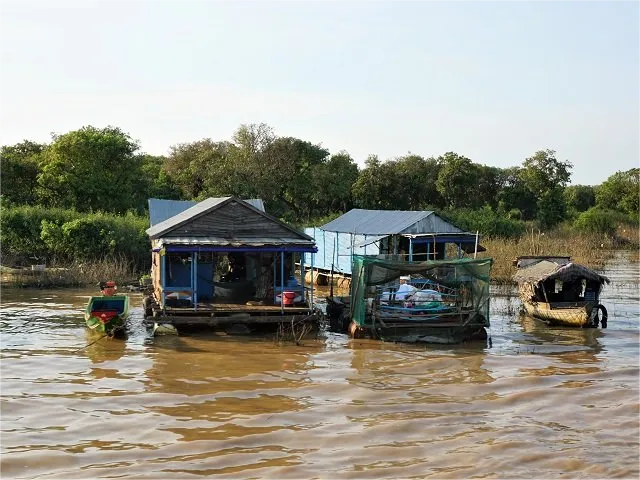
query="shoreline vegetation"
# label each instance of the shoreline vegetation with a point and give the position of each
(591, 250)
(76, 274)
(75, 210)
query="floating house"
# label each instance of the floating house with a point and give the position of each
(225, 261)
(410, 235)
(403, 239)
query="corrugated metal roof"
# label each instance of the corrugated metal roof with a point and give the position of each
(389, 222)
(210, 204)
(161, 210)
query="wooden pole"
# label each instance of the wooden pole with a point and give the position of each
(475, 251)
(544, 292)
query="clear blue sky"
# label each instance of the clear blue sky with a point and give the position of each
(494, 81)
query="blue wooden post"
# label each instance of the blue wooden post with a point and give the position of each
(410, 249)
(194, 268)
(162, 277)
(311, 299)
(324, 247)
(282, 280)
(275, 257)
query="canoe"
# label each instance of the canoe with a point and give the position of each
(107, 314)
(570, 316)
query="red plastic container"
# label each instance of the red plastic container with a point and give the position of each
(288, 297)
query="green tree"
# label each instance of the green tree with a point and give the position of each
(90, 169)
(251, 173)
(418, 177)
(19, 171)
(542, 171)
(456, 180)
(579, 198)
(620, 192)
(154, 182)
(487, 186)
(331, 184)
(513, 197)
(379, 186)
(545, 177)
(203, 168)
(405, 183)
(289, 167)
(280, 170)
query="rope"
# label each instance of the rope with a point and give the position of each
(37, 318)
(90, 343)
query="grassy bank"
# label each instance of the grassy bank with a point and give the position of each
(76, 274)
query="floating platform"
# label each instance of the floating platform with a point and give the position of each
(255, 317)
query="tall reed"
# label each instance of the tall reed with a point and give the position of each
(592, 250)
(77, 274)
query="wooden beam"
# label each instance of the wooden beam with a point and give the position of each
(242, 319)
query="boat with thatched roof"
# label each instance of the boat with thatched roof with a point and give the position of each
(561, 292)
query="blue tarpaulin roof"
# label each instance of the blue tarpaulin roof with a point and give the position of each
(160, 210)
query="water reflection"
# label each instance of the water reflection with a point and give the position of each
(101, 348)
(557, 339)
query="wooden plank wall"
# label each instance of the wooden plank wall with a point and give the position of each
(232, 220)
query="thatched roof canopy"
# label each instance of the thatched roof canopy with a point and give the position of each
(546, 270)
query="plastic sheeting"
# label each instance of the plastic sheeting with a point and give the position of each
(335, 249)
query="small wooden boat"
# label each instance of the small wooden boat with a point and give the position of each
(560, 292)
(107, 313)
(337, 312)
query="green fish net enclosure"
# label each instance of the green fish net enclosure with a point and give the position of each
(438, 293)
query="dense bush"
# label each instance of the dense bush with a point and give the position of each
(487, 221)
(57, 235)
(20, 231)
(600, 220)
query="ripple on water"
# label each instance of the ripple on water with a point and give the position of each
(537, 402)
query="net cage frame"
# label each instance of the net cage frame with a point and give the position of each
(369, 273)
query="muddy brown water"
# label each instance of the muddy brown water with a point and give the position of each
(533, 402)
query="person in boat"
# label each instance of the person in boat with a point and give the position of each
(404, 290)
(108, 288)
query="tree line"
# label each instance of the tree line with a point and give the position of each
(93, 170)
